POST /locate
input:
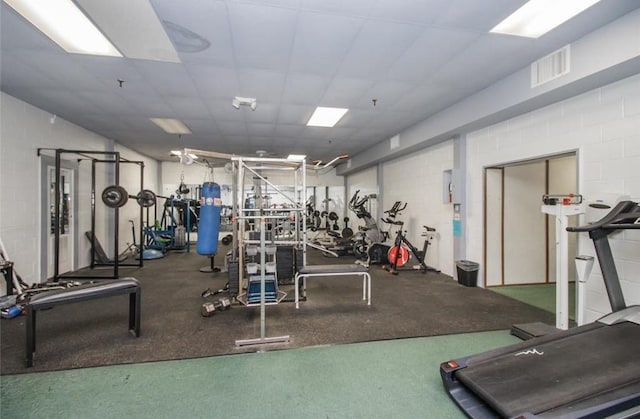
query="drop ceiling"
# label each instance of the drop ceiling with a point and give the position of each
(393, 63)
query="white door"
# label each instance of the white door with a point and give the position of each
(66, 261)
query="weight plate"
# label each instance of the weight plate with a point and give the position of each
(114, 196)
(146, 198)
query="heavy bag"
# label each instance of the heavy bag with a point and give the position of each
(209, 223)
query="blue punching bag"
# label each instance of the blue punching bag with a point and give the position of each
(209, 223)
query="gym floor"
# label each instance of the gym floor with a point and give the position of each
(411, 305)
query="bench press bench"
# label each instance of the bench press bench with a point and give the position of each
(83, 292)
(333, 270)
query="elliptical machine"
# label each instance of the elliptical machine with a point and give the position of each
(369, 238)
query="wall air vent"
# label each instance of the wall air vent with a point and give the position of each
(551, 66)
(394, 142)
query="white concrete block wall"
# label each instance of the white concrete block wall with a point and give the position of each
(24, 129)
(417, 179)
(603, 125)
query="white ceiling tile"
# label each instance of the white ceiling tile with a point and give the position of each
(148, 106)
(202, 127)
(423, 11)
(222, 110)
(322, 42)
(377, 47)
(187, 107)
(264, 85)
(214, 82)
(258, 129)
(286, 130)
(289, 4)
(345, 92)
(357, 118)
(265, 113)
(18, 75)
(415, 56)
(484, 61)
(295, 114)
(430, 51)
(304, 89)
(195, 26)
(170, 78)
(230, 128)
(386, 93)
(341, 7)
(262, 36)
(479, 16)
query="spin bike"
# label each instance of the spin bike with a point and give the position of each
(400, 253)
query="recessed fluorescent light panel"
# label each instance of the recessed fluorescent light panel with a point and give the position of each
(138, 33)
(171, 126)
(326, 117)
(66, 25)
(537, 17)
(296, 157)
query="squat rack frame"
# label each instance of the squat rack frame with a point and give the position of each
(93, 156)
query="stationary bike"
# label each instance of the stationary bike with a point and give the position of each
(400, 253)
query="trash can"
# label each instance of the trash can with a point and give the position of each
(467, 272)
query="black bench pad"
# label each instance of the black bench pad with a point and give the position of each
(80, 293)
(83, 292)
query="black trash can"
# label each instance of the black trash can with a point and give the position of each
(467, 272)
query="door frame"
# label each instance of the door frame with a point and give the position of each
(573, 152)
(45, 216)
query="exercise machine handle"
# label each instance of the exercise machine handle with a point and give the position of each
(624, 215)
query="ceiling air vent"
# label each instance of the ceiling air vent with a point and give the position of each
(550, 67)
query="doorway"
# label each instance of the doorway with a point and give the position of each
(520, 242)
(68, 227)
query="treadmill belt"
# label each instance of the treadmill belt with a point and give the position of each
(552, 374)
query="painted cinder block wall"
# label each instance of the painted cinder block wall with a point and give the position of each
(603, 126)
(417, 180)
(24, 129)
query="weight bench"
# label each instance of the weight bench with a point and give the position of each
(83, 292)
(333, 270)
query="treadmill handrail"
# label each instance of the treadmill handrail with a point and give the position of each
(623, 211)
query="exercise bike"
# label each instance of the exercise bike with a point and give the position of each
(400, 253)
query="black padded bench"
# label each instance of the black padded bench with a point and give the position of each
(83, 292)
(333, 270)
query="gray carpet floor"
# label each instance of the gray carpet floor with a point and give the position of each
(411, 304)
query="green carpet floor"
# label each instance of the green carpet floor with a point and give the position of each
(542, 296)
(385, 379)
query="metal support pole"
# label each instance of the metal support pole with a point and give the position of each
(263, 320)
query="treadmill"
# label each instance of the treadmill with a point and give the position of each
(591, 371)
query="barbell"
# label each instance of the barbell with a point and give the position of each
(116, 196)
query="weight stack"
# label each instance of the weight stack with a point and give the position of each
(233, 272)
(284, 264)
